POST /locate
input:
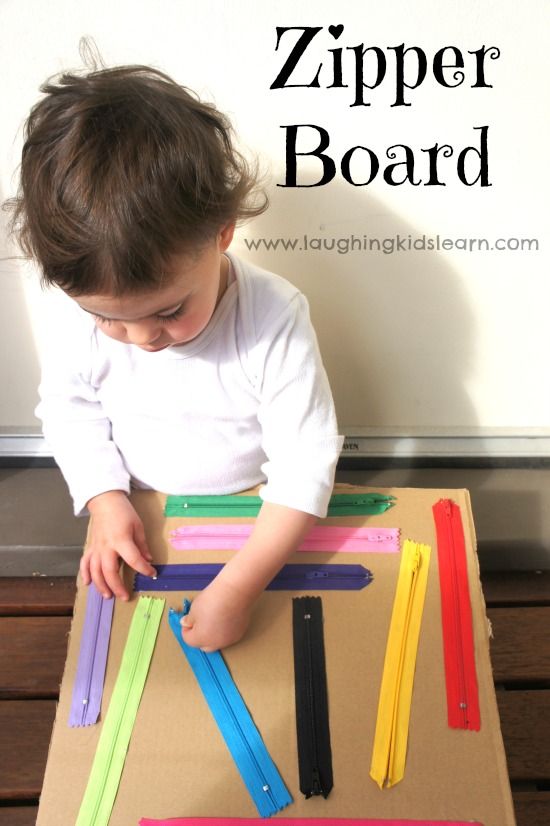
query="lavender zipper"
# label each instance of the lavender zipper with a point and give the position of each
(92, 659)
(304, 577)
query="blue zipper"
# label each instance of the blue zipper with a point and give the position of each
(257, 769)
(304, 577)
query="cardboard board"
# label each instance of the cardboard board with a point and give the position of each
(177, 763)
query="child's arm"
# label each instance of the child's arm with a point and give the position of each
(220, 614)
(116, 532)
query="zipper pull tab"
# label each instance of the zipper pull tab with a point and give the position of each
(448, 506)
(317, 575)
(316, 788)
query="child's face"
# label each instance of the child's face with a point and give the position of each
(169, 315)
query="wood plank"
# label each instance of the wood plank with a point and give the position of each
(525, 723)
(26, 727)
(516, 587)
(532, 808)
(520, 647)
(18, 815)
(32, 653)
(37, 595)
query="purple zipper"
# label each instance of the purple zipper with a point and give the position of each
(304, 577)
(92, 659)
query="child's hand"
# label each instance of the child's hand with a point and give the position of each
(218, 617)
(116, 532)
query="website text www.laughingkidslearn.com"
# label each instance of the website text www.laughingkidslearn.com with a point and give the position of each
(390, 244)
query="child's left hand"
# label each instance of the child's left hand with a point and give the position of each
(218, 617)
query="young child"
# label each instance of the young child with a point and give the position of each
(181, 368)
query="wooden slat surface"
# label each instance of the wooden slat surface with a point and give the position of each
(27, 596)
(34, 621)
(32, 653)
(26, 727)
(525, 723)
(520, 647)
(532, 808)
(516, 587)
(18, 815)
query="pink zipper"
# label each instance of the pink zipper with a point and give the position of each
(320, 538)
(301, 821)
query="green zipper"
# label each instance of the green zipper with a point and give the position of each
(99, 797)
(341, 504)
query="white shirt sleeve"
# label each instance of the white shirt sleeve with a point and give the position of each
(299, 430)
(74, 424)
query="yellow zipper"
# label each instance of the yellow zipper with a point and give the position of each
(394, 705)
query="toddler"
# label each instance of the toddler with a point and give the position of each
(181, 368)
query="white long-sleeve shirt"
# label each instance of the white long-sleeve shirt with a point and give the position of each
(246, 402)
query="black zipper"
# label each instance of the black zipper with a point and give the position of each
(312, 725)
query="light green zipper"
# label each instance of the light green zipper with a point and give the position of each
(99, 797)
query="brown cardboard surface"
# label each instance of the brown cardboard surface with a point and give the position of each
(178, 765)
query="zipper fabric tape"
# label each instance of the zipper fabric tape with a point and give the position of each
(99, 797)
(304, 577)
(394, 705)
(341, 504)
(456, 616)
(301, 821)
(231, 537)
(310, 679)
(257, 769)
(92, 659)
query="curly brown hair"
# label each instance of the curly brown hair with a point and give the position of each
(122, 168)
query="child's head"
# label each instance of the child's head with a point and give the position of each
(123, 169)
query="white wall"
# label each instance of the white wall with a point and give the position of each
(412, 340)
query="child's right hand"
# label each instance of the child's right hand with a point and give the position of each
(115, 532)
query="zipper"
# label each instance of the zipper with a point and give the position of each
(257, 769)
(92, 659)
(230, 537)
(456, 615)
(102, 786)
(394, 705)
(312, 724)
(307, 576)
(341, 504)
(300, 821)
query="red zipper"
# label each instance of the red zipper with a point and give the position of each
(456, 615)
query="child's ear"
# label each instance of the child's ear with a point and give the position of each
(226, 236)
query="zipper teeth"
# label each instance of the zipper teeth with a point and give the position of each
(457, 619)
(120, 717)
(307, 574)
(395, 699)
(401, 664)
(233, 718)
(369, 503)
(458, 640)
(91, 662)
(327, 538)
(311, 698)
(237, 725)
